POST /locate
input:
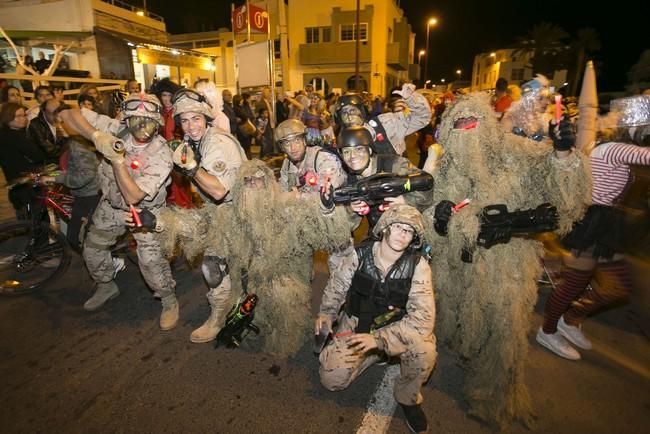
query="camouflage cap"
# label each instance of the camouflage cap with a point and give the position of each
(401, 213)
(144, 105)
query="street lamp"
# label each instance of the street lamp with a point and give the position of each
(459, 72)
(442, 80)
(420, 54)
(431, 22)
(426, 83)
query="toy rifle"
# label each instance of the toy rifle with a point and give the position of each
(374, 189)
(499, 226)
(239, 322)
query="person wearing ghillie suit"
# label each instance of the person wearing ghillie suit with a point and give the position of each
(268, 235)
(486, 280)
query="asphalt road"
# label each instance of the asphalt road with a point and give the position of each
(64, 370)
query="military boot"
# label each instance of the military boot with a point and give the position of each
(105, 291)
(169, 315)
(209, 330)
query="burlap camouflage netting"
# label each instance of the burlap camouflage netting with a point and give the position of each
(273, 237)
(484, 307)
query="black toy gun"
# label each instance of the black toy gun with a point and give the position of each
(374, 189)
(239, 322)
(498, 225)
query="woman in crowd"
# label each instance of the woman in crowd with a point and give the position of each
(18, 155)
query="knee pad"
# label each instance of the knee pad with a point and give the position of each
(214, 269)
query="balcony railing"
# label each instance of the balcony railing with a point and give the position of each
(135, 9)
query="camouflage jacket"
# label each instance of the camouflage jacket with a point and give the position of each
(322, 163)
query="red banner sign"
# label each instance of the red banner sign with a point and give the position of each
(259, 19)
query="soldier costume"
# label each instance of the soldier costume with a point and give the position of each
(485, 306)
(148, 161)
(267, 236)
(219, 155)
(362, 291)
(305, 168)
(388, 130)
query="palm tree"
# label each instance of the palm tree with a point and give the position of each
(586, 42)
(546, 48)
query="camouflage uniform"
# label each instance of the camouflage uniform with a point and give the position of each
(393, 127)
(410, 338)
(151, 174)
(221, 156)
(317, 161)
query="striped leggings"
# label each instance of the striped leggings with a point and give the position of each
(613, 283)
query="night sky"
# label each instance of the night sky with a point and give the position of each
(466, 28)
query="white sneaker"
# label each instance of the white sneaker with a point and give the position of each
(573, 334)
(556, 343)
(119, 265)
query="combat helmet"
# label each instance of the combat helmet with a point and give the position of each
(405, 214)
(352, 99)
(143, 105)
(190, 101)
(288, 130)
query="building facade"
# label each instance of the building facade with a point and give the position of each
(508, 63)
(314, 43)
(111, 39)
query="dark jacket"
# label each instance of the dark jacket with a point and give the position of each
(18, 154)
(229, 111)
(39, 131)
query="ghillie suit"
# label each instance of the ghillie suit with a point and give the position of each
(484, 306)
(270, 236)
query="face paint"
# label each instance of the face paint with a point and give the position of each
(142, 129)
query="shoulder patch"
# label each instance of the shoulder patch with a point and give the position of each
(219, 166)
(372, 123)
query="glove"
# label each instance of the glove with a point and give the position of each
(563, 136)
(441, 216)
(408, 89)
(327, 198)
(110, 147)
(184, 158)
(148, 219)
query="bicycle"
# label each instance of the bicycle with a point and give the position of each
(36, 252)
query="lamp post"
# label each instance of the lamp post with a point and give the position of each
(431, 22)
(420, 54)
(426, 83)
(459, 72)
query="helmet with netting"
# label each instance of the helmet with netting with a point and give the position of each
(354, 100)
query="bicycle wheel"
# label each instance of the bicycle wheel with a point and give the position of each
(25, 270)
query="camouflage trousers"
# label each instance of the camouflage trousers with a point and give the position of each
(341, 365)
(106, 228)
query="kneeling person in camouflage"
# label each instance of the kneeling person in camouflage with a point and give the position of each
(385, 291)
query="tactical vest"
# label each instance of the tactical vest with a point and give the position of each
(369, 297)
(381, 144)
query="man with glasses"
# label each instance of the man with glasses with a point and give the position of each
(381, 298)
(135, 175)
(211, 158)
(305, 169)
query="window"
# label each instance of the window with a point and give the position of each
(276, 48)
(327, 34)
(517, 74)
(348, 32)
(312, 35)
